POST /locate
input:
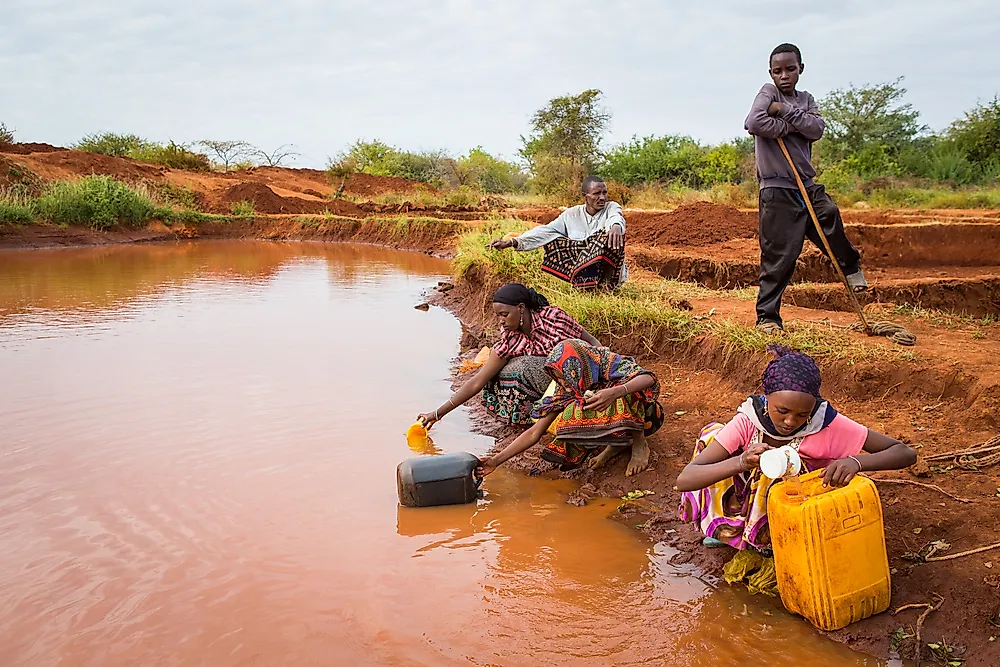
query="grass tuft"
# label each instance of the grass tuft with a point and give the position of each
(97, 201)
(243, 210)
(16, 208)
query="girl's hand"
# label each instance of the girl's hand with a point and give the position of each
(501, 244)
(841, 472)
(751, 457)
(427, 419)
(485, 467)
(603, 399)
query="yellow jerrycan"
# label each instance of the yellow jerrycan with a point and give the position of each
(829, 549)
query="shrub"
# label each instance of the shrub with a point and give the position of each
(721, 164)
(978, 134)
(376, 158)
(243, 209)
(490, 174)
(173, 155)
(109, 143)
(97, 201)
(6, 135)
(15, 208)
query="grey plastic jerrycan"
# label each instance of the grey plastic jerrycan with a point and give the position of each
(448, 479)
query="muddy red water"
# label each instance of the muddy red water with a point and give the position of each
(198, 452)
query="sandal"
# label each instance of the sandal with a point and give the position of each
(857, 282)
(713, 543)
(769, 327)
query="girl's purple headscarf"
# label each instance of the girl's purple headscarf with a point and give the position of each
(791, 371)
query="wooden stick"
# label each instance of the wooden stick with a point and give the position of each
(888, 390)
(963, 553)
(932, 487)
(915, 605)
(920, 624)
(822, 235)
(964, 452)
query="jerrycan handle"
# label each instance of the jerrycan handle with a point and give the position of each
(812, 485)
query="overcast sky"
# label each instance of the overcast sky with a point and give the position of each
(428, 74)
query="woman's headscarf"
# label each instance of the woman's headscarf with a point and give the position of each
(515, 294)
(789, 371)
(578, 367)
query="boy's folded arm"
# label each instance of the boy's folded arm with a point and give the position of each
(809, 123)
(762, 125)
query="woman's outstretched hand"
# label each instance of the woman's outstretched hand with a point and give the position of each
(485, 467)
(427, 419)
(602, 399)
(841, 472)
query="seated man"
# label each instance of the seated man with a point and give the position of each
(585, 245)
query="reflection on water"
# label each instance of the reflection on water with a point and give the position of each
(197, 450)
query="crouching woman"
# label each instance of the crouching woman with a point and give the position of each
(604, 402)
(724, 491)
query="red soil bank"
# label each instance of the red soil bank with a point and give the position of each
(266, 201)
(27, 149)
(700, 223)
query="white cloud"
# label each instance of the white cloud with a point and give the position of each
(457, 73)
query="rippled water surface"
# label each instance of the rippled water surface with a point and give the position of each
(198, 446)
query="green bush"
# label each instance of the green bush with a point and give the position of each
(109, 143)
(679, 160)
(97, 201)
(243, 209)
(15, 208)
(6, 135)
(490, 174)
(978, 134)
(377, 158)
(173, 155)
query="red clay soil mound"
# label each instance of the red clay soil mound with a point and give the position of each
(700, 223)
(28, 148)
(265, 200)
(368, 186)
(62, 164)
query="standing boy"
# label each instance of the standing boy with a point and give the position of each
(780, 110)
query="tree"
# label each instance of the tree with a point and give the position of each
(6, 135)
(978, 134)
(277, 156)
(859, 117)
(565, 140)
(228, 152)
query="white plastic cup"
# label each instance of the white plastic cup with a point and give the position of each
(780, 462)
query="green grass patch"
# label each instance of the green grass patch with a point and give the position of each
(243, 210)
(99, 202)
(15, 208)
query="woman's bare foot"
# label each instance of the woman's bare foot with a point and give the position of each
(609, 453)
(640, 456)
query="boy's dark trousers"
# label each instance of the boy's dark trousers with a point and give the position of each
(784, 226)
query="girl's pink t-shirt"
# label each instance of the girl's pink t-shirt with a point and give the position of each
(842, 438)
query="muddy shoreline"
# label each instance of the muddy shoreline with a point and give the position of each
(694, 396)
(703, 383)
